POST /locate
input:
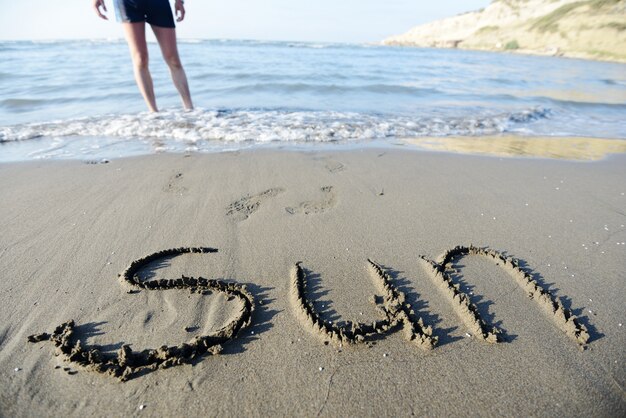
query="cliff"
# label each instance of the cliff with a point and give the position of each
(584, 29)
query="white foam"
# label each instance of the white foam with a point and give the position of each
(262, 126)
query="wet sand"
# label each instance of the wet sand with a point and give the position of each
(358, 299)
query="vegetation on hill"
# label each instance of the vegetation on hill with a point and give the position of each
(575, 28)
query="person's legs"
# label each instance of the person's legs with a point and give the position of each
(167, 41)
(136, 38)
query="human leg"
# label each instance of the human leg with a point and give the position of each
(167, 41)
(136, 38)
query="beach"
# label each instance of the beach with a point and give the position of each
(69, 229)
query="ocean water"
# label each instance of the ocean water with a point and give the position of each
(78, 99)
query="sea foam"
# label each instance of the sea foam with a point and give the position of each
(260, 126)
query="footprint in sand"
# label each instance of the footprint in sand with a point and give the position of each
(174, 185)
(335, 167)
(94, 162)
(328, 202)
(242, 208)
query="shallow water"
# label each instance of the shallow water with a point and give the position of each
(77, 99)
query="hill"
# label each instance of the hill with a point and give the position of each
(575, 28)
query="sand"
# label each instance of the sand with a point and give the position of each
(366, 282)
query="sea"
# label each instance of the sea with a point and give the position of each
(78, 100)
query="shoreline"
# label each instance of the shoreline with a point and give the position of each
(70, 228)
(507, 145)
(527, 52)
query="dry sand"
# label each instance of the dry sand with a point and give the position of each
(68, 229)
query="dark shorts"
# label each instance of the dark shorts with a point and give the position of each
(155, 12)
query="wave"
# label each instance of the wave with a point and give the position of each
(17, 104)
(28, 104)
(236, 126)
(324, 89)
(611, 82)
(261, 43)
(276, 84)
(5, 76)
(260, 76)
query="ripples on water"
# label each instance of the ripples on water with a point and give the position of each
(78, 98)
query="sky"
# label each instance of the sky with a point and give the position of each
(287, 20)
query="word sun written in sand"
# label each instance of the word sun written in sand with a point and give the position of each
(395, 313)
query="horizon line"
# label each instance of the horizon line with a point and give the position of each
(121, 38)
